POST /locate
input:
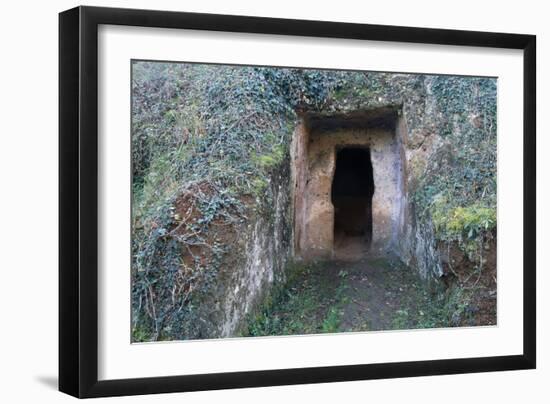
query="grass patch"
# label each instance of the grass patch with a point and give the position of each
(429, 309)
(311, 301)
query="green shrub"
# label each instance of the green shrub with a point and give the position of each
(460, 223)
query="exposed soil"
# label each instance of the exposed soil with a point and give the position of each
(350, 248)
(378, 288)
(480, 284)
(198, 244)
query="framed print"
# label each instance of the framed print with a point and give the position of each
(251, 201)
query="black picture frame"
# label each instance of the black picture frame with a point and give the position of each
(78, 201)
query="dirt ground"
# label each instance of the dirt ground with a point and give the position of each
(365, 294)
(382, 293)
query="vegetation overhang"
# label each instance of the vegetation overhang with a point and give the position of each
(382, 117)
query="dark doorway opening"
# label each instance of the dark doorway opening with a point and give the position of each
(352, 191)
